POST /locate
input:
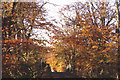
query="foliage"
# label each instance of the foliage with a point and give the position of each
(22, 56)
(85, 38)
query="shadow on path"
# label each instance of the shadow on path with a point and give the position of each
(58, 75)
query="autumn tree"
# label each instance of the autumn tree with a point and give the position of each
(20, 50)
(86, 38)
(117, 2)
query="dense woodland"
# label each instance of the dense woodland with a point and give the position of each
(86, 39)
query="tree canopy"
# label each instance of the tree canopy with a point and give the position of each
(85, 40)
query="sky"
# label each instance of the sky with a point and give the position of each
(53, 11)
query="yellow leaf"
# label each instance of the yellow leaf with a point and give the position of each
(100, 61)
(104, 51)
(95, 47)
